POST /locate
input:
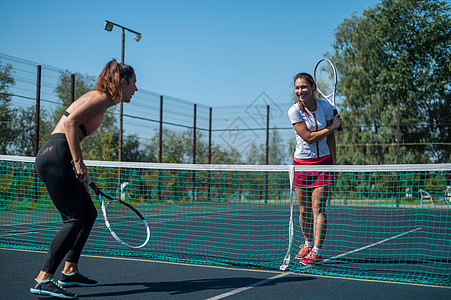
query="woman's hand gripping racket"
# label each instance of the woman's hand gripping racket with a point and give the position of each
(125, 223)
(326, 81)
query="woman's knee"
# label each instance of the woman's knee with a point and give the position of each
(89, 218)
(319, 209)
(73, 224)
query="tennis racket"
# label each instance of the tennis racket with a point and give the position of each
(326, 81)
(126, 224)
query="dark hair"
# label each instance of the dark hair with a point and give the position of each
(305, 76)
(311, 81)
(109, 80)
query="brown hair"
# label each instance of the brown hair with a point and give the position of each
(311, 81)
(109, 80)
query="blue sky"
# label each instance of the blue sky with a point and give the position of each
(215, 53)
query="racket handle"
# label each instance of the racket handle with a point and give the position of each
(335, 113)
(93, 185)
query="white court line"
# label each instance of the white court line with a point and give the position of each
(236, 291)
(248, 287)
(377, 243)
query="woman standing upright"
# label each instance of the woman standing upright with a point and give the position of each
(59, 163)
(314, 123)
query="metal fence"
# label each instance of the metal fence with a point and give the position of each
(239, 128)
(259, 131)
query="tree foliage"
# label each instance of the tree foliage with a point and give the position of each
(276, 151)
(17, 124)
(401, 49)
(177, 147)
(7, 114)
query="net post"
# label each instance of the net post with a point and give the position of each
(286, 260)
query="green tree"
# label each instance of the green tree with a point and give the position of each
(134, 150)
(17, 126)
(24, 130)
(276, 152)
(173, 148)
(178, 148)
(219, 155)
(7, 113)
(401, 49)
(222, 156)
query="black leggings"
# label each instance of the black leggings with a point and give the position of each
(54, 167)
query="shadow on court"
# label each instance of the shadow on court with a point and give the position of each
(186, 287)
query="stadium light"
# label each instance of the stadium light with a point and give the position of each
(108, 26)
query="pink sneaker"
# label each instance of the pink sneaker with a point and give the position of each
(311, 259)
(303, 251)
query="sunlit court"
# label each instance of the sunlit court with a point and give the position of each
(301, 147)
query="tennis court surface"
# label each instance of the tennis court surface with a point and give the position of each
(138, 278)
(210, 220)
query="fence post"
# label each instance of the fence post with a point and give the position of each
(160, 138)
(194, 133)
(38, 109)
(72, 88)
(193, 175)
(267, 155)
(267, 135)
(36, 130)
(209, 153)
(160, 147)
(209, 136)
(398, 130)
(121, 105)
(398, 137)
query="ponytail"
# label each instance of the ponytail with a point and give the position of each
(109, 80)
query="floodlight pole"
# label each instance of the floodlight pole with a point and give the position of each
(109, 27)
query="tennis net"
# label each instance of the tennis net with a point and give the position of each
(386, 222)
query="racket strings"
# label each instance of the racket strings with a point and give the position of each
(126, 224)
(325, 78)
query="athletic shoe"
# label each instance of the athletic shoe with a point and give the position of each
(311, 259)
(50, 287)
(76, 279)
(303, 251)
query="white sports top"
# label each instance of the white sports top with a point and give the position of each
(315, 121)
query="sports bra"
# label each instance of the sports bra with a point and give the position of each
(88, 127)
